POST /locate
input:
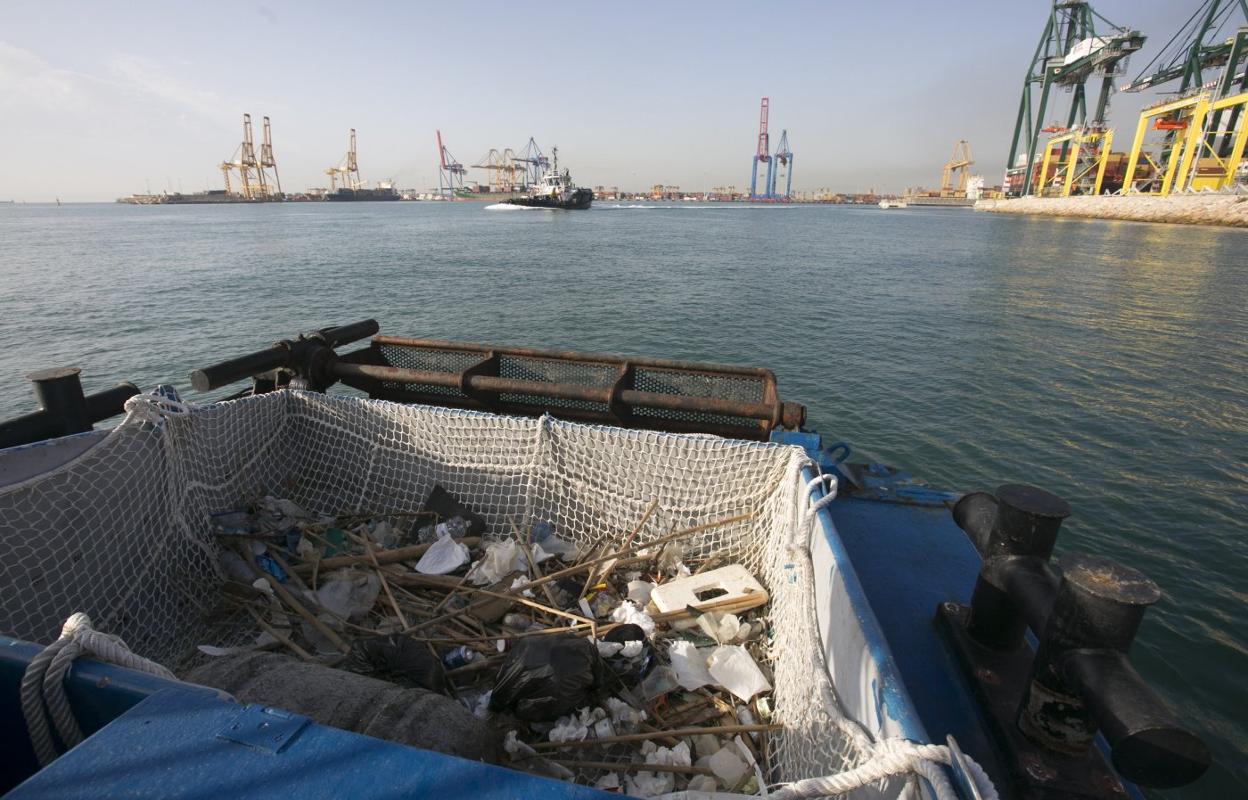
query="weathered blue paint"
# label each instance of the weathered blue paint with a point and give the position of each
(892, 698)
(168, 746)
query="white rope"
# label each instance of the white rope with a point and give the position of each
(891, 757)
(154, 407)
(43, 689)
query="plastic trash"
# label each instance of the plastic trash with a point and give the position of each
(723, 628)
(585, 724)
(729, 767)
(731, 583)
(444, 557)
(702, 783)
(547, 677)
(649, 784)
(400, 660)
(455, 528)
(233, 523)
(460, 656)
(706, 745)
(629, 653)
(541, 531)
(629, 612)
(500, 560)
(448, 507)
(553, 546)
(659, 682)
(689, 664)
(608, 783)
(734, 669)
(671, 560)
(639, 592)
(624, 716)
(349, 594)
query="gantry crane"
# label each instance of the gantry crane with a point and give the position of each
(762, 153)
(501, 169)
(1203, 130)
(959, 164)
(450, 172)
(783, 158)
(251, 178)
(535, 164)
(269, 162)
(1070, 51)
(347, 171)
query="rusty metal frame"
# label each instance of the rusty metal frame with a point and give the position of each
(480, 386)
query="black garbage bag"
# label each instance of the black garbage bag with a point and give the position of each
(400, 660)
(547, 677)
(448, 507)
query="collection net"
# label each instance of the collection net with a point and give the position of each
(123, 531)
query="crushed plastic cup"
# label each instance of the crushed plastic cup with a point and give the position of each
(639, 592)
(734, 669)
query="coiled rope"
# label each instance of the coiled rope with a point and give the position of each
(43, 689)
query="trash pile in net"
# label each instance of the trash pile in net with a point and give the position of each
(625, 666)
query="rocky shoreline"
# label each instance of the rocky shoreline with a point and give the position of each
(1188, 209)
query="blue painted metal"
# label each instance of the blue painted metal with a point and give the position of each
(267, 729)
(893, 701)
(168, 747)
(97, 693)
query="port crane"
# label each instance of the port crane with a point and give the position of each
(960, 164)
(783, 158)
(1203, 130)
(252, 183)
(762, 154)
(269, 162)
(450, 172)
(1070, 52)
(535, 164)
(501, 169)
(347, 171)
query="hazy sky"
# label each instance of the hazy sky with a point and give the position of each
(100, 99)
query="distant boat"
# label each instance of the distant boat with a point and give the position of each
(556, 191)
(887, 204)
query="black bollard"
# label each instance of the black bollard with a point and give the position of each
(59, 392)
(1024, 526)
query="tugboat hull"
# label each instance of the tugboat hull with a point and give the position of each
(579, 200)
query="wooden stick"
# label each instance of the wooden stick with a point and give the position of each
(524, 601)
(632, 766)
(721, 730)
(270, 630)
(528, 556)
(381, 576)
(387, 556)
(576, 569)
(294, 604)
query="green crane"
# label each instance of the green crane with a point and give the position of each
(1199, 45)
(1070, 51)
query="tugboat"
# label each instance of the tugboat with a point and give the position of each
(556, 191)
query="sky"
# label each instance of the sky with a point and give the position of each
(103, 99)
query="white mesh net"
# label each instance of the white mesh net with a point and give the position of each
(123, 532)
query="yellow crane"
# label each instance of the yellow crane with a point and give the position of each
(960, 163)
(347, 171)
(250, 175)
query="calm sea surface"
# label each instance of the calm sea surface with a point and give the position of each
(1107, 362)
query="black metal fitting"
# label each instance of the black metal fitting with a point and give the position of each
(1047, 708)
(308, 356)
(64, 408)
(1015, 532)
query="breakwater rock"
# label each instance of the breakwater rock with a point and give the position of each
(1190, 209)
